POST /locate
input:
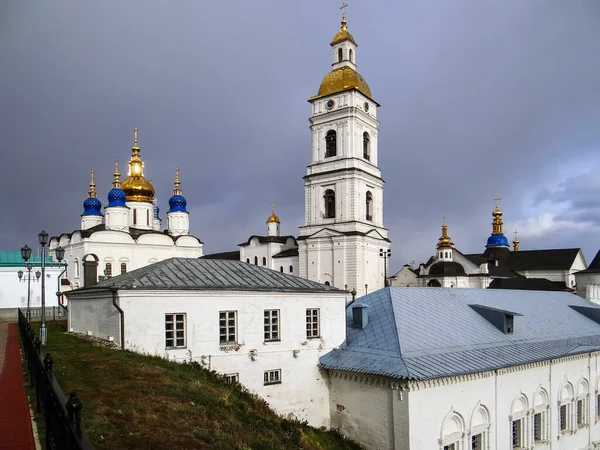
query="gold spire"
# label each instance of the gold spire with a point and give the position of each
(92, 191)
(444, 241)
(516, 242)
(177, 183)
(497, 222)
(136, 187)
(116, 176)
(273, 217)
(343, 34)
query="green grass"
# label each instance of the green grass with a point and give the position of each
(145, 402)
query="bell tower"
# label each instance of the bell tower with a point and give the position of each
(343, 231)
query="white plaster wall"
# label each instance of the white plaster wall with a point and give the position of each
(303, 392)
(94, 313)
(13, 293)
(405, 277)
(586, 279)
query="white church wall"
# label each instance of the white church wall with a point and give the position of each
(303, 391)
(583, 280)
(95, 313)
(13, 293)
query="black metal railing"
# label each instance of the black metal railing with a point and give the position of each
(62, 416)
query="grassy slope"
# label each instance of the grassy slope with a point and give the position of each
(135, 401)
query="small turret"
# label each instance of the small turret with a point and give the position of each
(117, 212)
(273, 222)
(516, 242)
(92, 208)
(178, 216)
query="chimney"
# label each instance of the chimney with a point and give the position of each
(360, 316)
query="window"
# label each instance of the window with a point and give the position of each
(450, 447)
(563, 418)
(510, 323)
(369, 205)
(256, 260)
(330, 144)
(581, 407)
(148, 217)
(108, 269)
(477, 442)
(598, 406)
(175, 330)
(271, 324)
(291, 269)
(434, 283)
(517, 433)
(327, 283)
(232, 377)
(281, 269)
(272, 376)
(123, 268)
(264, 261)
(580, 414)
(340, 55)
(228, 327)
(134, 216)
(248, 260)
(537, 427)
(366, 146)
(351, 56)
(540, 415)
(76, 264)
(329, 199)
(312, 323)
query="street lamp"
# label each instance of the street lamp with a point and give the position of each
(385, 255)
(26, 254)
(43, 240)
(60, 254)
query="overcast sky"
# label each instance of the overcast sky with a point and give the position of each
(479, 99)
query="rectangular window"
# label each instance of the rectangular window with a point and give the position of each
(516, 433)
(271, 324)
(272, 376)
(450, 447)
(108, 270)
(123, 268)
(175, 330)
(598, 405)
(537, 426)
(312, 323)
(228, 327)
(580, 411)
(563, 418)
(477, 442)
(232, 377)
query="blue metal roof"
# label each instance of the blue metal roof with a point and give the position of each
(424, 333)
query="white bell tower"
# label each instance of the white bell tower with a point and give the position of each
(343, 233)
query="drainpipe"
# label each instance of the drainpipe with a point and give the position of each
(58, 291)
(114, 290)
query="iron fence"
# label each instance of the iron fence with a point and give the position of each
(51, 313)
(62, 416)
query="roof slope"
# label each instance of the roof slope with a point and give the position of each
(233, 256)
(424, 333)
(594, 266)
(528, 284)
(14, 259)
(210, 274)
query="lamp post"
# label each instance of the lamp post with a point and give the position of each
(60, 254)
(385, 255)
(43, 240)
(26, 254)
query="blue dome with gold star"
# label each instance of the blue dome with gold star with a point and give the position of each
(92, 207)
(497, 240)
(177, 203)
(116, 197)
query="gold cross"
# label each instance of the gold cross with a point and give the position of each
(497, 200)
(516, 234)
(273, 206)
(444, 220)
(343, 9)
(135, 131)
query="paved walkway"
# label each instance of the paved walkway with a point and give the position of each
(15, 421)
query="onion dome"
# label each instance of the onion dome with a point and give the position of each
(92, 206)
(136, 187)
(444, 241)
(177, 203)
(497, 239)
(447, 268)
(343, 34)
(116, 196)
(273, 217)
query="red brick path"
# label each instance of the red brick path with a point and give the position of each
(15, 422)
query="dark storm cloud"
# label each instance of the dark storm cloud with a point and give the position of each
(479, 99)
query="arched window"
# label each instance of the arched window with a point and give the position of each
(518, 416)
(281, 269)
(340, 55)
(351, 56)
(327, 283)
(453, 429)
(329, 199)
(330, 144)
(582, 405)
(76, 265)
(256, 260)
(369, 205)
(434, 283)
(366, 146)
(565, 408)
(479, 428)
(108, 270)
(541, 431)
(291, 269)
(123, 268)
(248, 260)
(264, 261)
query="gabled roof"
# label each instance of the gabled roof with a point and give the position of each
(327, 232)
(268, 239)
(232, 256)
(424, 333)
(527, 284)
(209, 274)
(594, 266)
(552, 259)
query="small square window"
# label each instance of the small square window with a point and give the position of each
(272, 376)
(232, 377)
(175, 331)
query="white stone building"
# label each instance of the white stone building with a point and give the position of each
(127, 235)
(468, 369)
(262, 328)
(588, 280)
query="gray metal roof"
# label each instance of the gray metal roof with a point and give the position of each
(209, 274)
(424, 333)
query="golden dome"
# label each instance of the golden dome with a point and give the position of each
(343, 35)
(136, 187)
(273, 217)
(444, 241)
(343, 79)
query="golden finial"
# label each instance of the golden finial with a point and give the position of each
(516, 241)
(273, 217)
(116, 176)
(135, 138)
(344, 21)
(136, 187)
(497, 222)
(177, 183)
(444, 241)
(92, 191)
